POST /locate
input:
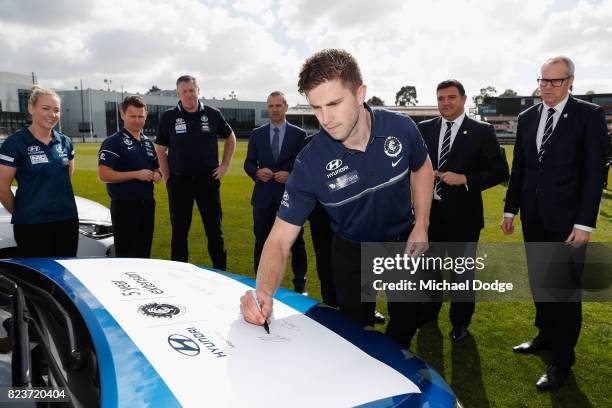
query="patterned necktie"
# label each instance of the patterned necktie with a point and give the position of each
(548, 129)
(446, 145)
(275, 143)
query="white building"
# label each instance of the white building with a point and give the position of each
(93, 114)
(14, 94)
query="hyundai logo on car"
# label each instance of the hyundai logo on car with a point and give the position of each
(184, 345)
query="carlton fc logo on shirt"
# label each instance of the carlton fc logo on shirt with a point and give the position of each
(127, 141)
(180, 126)
(392, 146)
(205, 126)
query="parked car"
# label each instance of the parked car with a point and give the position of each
(116, 332)
(95, 227)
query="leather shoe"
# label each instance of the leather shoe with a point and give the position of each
(553, 378)
(378, 317)
(458, 334)
(532, 346)
(301, 291)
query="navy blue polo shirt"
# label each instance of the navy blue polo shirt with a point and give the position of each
(44, 192)
(366, 194)
(191, 139)
(123, 152)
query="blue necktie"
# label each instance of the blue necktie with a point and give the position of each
(275, 143)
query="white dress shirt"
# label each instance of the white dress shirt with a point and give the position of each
(556, 116)
(454, 129)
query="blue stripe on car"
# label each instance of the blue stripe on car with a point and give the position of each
(127, 379)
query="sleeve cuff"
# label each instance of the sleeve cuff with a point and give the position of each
(584, 228)
(509, 215)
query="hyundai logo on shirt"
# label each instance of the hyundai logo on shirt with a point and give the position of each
(333, 165)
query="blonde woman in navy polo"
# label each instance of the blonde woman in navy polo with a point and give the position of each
(44, 213)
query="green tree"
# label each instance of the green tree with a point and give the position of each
(536, 92)
(153, 88)
(406, 96)
(590, 92)
(485, 95)
(376, 101)
(508, 92)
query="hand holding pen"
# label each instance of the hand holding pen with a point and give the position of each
(256, 307)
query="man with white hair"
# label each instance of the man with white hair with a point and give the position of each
(556, 183)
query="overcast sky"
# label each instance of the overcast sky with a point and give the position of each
(254, 46)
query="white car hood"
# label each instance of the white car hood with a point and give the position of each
(92, 211)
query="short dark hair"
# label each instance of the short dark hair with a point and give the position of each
(133, 100)
(327, 65)
(278, 93)
(449, 83)
(187, 78)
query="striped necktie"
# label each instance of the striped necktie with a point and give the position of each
(548, 129)
(446, 146)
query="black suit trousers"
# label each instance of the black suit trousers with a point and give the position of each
(322, 237)
(555, 272)
(263, 220)
(446, 239)
(346, 266)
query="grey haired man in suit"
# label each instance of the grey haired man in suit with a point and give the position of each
(556, 184)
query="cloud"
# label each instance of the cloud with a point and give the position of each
(44, 13)
(252, 47)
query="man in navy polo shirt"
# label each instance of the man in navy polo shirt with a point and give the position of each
(127, 163)
(361, 167)
(186, 146)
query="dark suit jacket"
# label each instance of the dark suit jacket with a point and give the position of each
(476, 153)
(565, 188)
(259, 155)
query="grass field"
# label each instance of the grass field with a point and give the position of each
(482, 370)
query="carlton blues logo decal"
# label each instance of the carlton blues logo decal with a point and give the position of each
(392, 147)
(161, 310)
